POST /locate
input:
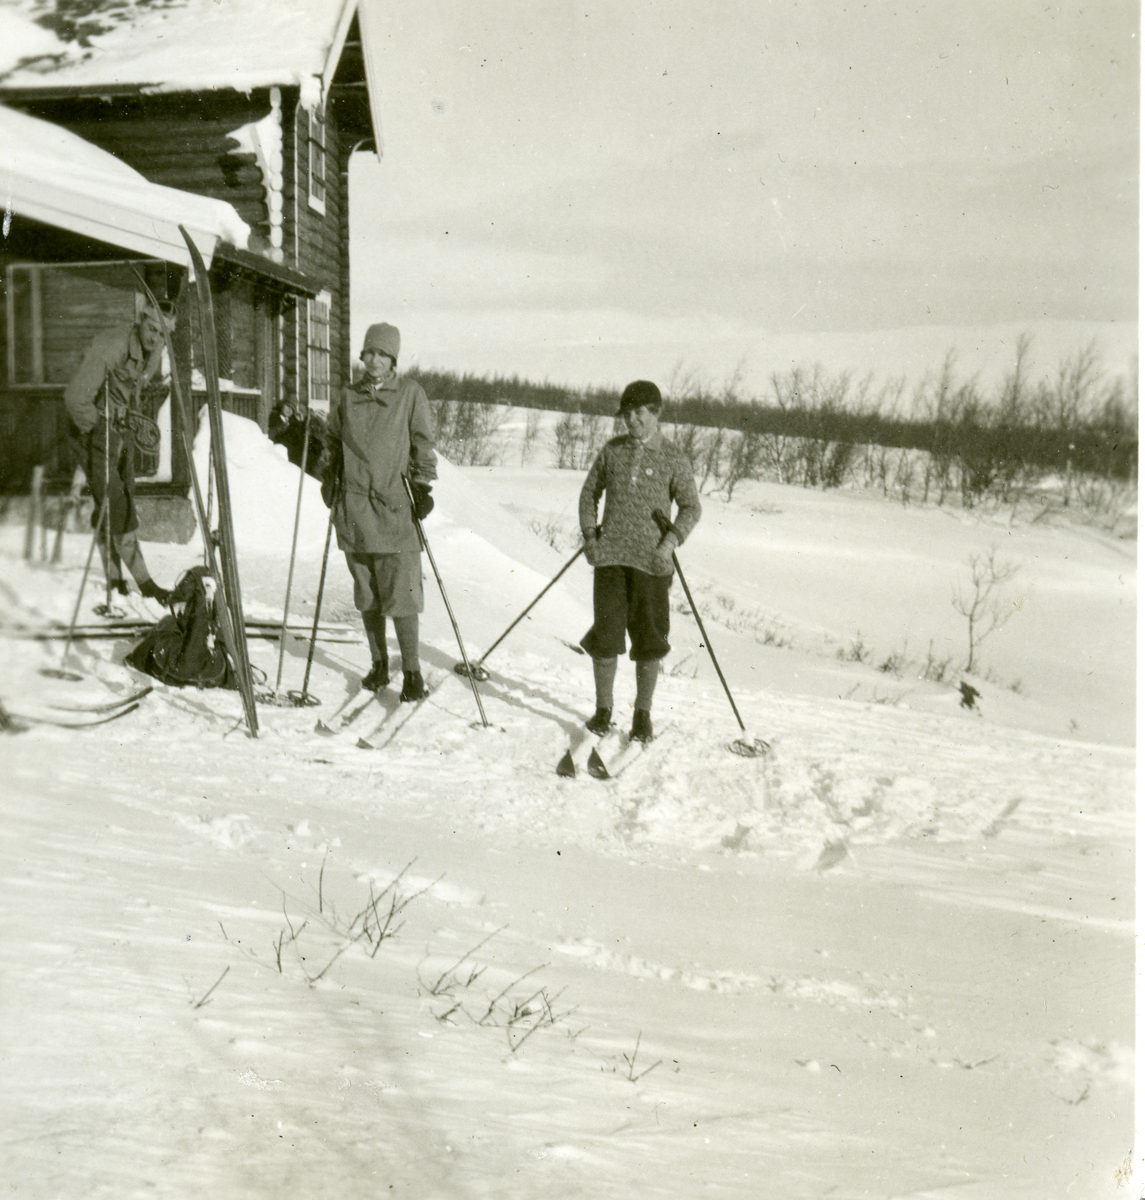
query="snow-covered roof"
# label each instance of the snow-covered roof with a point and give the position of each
(178, 45)
(50, 175)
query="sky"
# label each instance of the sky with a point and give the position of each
(595, 192)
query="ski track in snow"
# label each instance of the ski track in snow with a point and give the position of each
(839, 776)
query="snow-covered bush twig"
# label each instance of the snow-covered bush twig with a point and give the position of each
(206, 995)
(630, 1059)
(447, 980)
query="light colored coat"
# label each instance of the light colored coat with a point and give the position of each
(384, 431)
(116, 357)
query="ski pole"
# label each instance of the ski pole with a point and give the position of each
(666, 526)
(477, 669)
(441, 587)
(293, 549)
(107, 492)
(303, 699)
(60, 672)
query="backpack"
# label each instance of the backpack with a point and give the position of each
(186, 648)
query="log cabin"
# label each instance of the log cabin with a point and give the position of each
(235, 120)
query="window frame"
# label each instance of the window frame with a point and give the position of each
(318, 350)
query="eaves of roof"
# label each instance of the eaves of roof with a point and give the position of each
(248, 263)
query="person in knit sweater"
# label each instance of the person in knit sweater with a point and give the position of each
(640, 475)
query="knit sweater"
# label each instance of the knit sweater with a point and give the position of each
(637, 478)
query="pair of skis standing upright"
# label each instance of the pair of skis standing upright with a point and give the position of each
(218, 548)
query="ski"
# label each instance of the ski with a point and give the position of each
(35, 720)
(584, 753)
(394, 721)
(231, 619)
(344, 716)
(110, 706)
(264, 630)
(608, 756)
(631, 752)
(185, 422)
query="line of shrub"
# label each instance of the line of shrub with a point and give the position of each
(1079, 420)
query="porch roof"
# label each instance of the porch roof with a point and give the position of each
(55, 177)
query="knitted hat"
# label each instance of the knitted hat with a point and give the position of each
(384, 338)
(640, 394)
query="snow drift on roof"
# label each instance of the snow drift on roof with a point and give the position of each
(54, 176)
(21, 38)
(185, 45)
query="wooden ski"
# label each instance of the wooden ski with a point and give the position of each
(235, 636)
(211, 550)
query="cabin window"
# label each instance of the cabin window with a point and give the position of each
(318, 347)
(54, 310)
(317, 141)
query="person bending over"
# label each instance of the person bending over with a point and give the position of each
(104, 400)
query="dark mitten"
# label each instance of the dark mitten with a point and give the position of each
(331, 472)
(422, 500)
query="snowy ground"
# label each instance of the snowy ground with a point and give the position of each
(894, 958)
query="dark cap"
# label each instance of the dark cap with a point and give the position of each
(640, 394)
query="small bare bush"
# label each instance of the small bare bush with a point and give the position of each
(532, 430)
(551, 528)
(578, 439)
(979, 601)
(937, 669)
(466, 431)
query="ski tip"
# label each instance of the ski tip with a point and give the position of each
(566, 768)
(364, 745)
(596, 767)
(321, 727)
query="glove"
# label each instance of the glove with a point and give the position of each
(665, 548)
(422, 500)
(331, 472)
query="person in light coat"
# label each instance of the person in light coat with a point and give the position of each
(379, 430)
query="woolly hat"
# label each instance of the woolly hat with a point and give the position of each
(384, 338)
(640, 394)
